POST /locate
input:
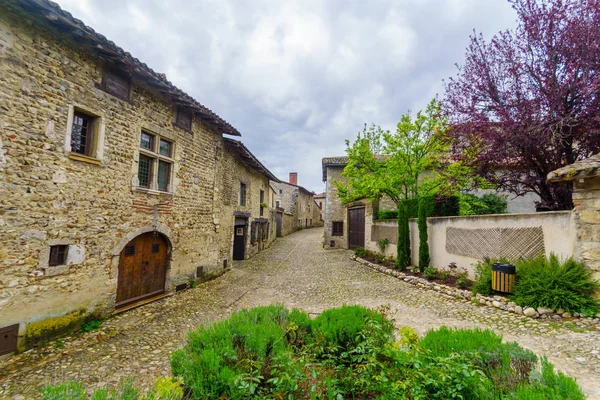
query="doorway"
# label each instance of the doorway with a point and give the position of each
(142, 268)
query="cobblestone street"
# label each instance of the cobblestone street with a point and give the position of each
(297, 272)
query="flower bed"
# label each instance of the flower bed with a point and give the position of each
(496, 301)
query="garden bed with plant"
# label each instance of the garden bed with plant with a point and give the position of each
(345, 353)
(545, 287)
(452, 276)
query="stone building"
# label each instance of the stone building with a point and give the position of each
(585, 176)
(115, 186)
(320, 199)
(335, 214)
(295, 200)
(244, 203)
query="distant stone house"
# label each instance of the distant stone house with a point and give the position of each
(295, 200)
(244, 204)
(344, 225)
(115, 186)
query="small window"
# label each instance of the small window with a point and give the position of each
(147, 141)
(277, 203)
(165, 148)
(145, 171)
(130, 250)
(242, 194)
(337, 228)
(155, 247)
(280, 191)
(184, 119)
(58, 255)
(154, 168)
(82, 133)
(116, 83)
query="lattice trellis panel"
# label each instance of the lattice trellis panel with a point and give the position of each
(512, 243)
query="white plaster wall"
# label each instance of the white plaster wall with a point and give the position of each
(558, 228)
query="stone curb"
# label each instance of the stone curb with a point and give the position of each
(498, 302)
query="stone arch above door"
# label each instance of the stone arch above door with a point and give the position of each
(161, 228)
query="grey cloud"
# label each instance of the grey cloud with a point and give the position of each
(297, 78)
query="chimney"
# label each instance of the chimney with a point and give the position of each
(294, 178)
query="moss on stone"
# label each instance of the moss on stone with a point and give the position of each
(42, 331)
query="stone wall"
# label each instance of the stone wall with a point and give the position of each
(334, 210)
(466, 240)
(231, 172)
(586, 215)
(305, 206)
(50, 196)
(285, 194)
(317, 215)
(289, 224)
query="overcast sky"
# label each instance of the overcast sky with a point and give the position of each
(298, 77)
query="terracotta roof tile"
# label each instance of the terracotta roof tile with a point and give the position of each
(586, 168)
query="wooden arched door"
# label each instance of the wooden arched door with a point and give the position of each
(142, 269)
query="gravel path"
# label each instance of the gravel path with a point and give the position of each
(296, 272)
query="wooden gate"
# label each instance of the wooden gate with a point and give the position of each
(278, 224)
(142, 269)
(356, 227)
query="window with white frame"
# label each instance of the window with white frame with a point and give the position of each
(155, 165)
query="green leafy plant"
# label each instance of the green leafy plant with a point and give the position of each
(483, 277)
(444, 276)
(90, 325)
(382, 244)
(425, 210)
(192, 284)
(403, 245)
(550, 283)
(462, 279)
(380, 258)
(430, 273)
(359, 251)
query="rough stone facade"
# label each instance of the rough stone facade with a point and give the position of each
(233, 171)
(585, 175)
(295, 200)
(334, 210)
(317, 215)
(94, 205)
(586, 197)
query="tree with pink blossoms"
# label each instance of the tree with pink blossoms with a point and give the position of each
(528, 101)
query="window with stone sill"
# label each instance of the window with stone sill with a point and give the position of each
(83, 133)
(58, 255)
(155, 164)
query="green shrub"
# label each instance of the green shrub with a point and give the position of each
(430, 273)
(462, 279)
(547, 384)
(550, 283)
(382, 244)
(387, 214)
(336, 330)
(67, 390)
(359, 251)
(403, 246)
(483, 277)
(447, 206)
(444, 275)
(508, 365)
(490, 203)
(426, 206)
(245, 343)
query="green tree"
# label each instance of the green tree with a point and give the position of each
(401, 165)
